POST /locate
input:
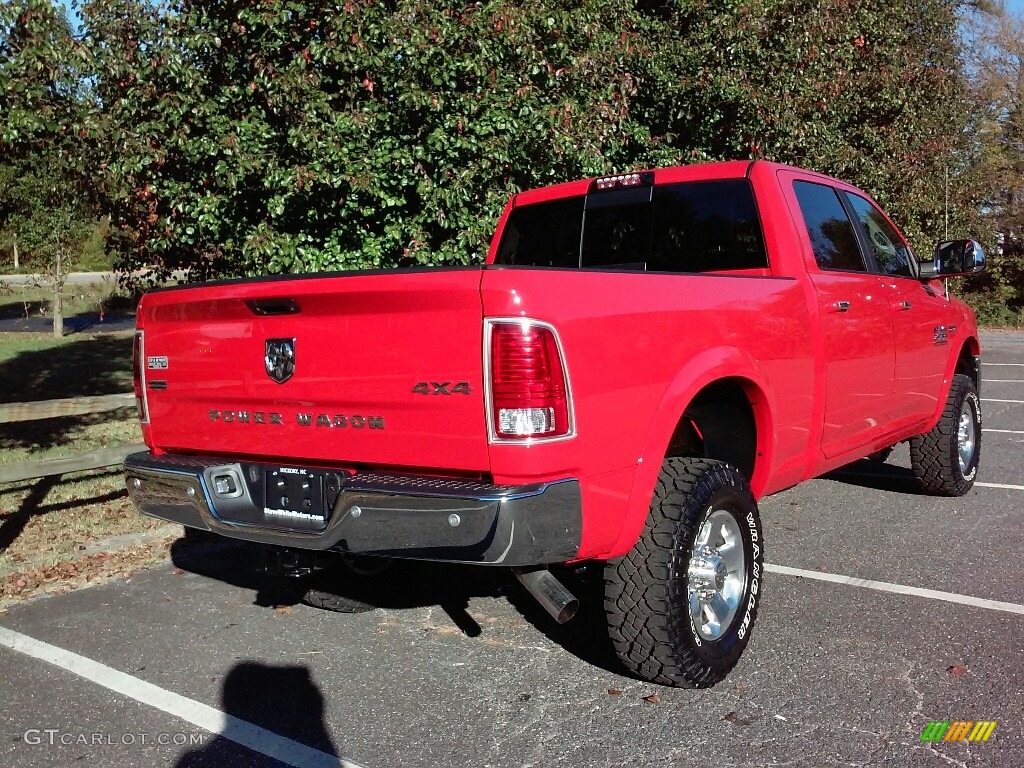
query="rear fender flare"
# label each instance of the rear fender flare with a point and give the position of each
(706, 368)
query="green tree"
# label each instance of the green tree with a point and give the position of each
(994, 178)
(248, 138)
(295, 136)
(47, 190)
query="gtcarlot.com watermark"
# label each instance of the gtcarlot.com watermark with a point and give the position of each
(55, 736)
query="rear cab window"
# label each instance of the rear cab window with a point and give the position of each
(684, 227)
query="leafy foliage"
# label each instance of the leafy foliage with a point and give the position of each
(48, 139)
(287, 136)
(994, 179)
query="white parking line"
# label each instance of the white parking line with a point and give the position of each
(213, 720)
(1002, 381)
(1014, 365)
(1005, 431)
(899, 589)
(993, 400)
(1001, 485)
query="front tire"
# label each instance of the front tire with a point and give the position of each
(681, 604)
(945, 460)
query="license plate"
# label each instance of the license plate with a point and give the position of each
(295, 498)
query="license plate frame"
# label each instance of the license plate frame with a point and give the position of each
(294, 497)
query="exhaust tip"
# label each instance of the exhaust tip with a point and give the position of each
(547, 590)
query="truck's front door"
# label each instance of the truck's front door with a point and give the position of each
(920, 316)
(856, 322)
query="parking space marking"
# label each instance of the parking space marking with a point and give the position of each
(1015, 365)
(240, 731)
(1001, 485)
(899, 589)
(993, 400)
(1005, 431)
(1002, 381)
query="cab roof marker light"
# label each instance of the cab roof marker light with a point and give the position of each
(645, 179)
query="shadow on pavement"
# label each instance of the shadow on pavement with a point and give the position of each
(280, 699)
(881, 477)
(413, 584)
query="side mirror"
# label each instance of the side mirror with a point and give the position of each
(955, 258)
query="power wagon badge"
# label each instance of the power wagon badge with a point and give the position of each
(280, 359)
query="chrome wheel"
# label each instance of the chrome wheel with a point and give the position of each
(966, 436)
(715, 577)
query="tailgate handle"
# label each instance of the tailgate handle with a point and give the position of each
(273, 306)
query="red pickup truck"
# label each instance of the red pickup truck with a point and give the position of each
(638, 360)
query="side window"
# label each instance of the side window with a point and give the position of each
(833, 239)
(891, 253)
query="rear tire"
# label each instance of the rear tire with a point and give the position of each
(681, 604)
(945, 460)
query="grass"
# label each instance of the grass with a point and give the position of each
(36, 366)
(48, 524)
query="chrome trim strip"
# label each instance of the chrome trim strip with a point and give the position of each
(142, 375)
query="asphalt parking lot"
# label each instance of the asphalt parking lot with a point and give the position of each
(189, 664)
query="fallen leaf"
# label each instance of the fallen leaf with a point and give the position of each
(959, 670)
(735, 719)
(282, 610)
(614, 692)
(653, 699)
(177, 572)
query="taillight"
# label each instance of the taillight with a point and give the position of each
(137, 381)
(529, 389)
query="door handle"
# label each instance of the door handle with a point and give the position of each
(840, 306)
(901, 306)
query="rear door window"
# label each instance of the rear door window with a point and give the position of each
(830, 230)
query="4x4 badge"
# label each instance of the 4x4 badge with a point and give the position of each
(280, 359)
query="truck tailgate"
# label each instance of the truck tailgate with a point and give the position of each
(368, 368)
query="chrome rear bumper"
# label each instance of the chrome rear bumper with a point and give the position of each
(390, 515)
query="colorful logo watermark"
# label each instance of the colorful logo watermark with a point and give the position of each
(958, 730)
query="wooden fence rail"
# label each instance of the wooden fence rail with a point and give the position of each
(104, 457)
(73, 406)
(70, 406)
